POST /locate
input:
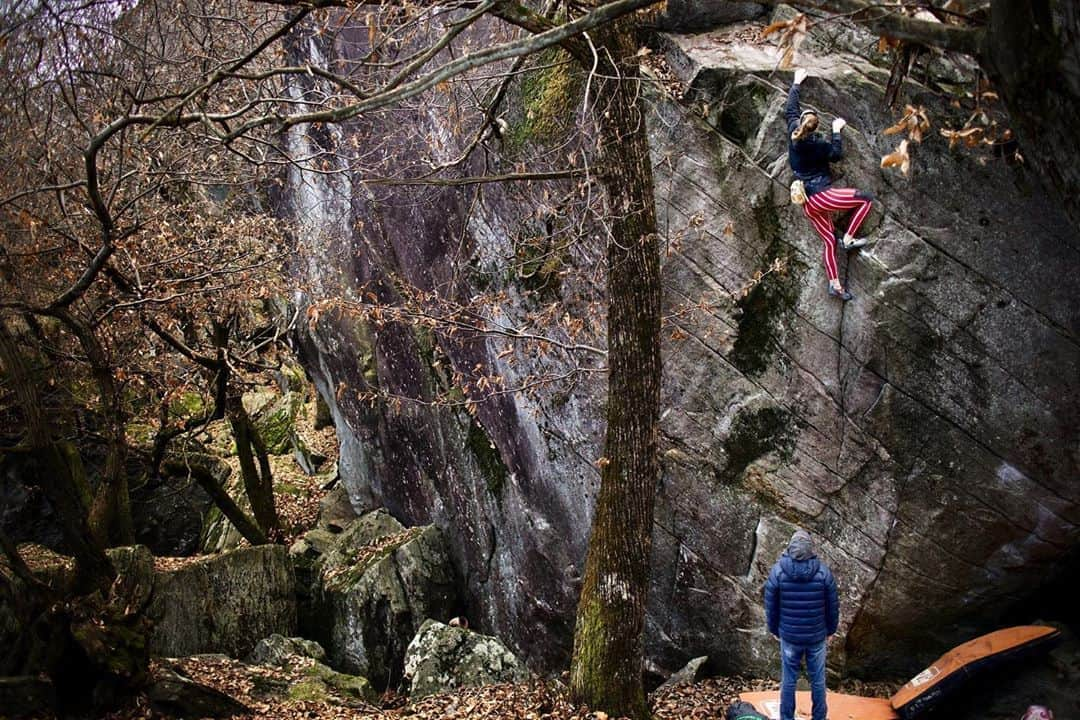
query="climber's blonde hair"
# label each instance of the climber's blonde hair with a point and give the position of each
(807, 125)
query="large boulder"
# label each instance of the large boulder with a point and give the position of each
(372, 586)
(223, 603)
(926, 433)
(442, 658)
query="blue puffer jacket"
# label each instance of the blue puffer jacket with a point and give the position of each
(810, 157)
(801, 605)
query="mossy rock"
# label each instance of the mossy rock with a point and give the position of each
(280, 650)
(372, 589)
(187, 405)
(224, 603)
(276, 423)
(442, 657)
(488, 459)
(769, 307)
(352, 686)
(292, 378)
(310, 690)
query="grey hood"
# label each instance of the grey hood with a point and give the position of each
(801, 546)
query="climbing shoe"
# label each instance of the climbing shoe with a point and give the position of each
(842, 294)
(855, 243)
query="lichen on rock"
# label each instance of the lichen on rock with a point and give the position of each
(442, 657)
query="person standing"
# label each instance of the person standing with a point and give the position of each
(802, 609)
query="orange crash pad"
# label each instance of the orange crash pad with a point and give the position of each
(841, 707)
(955, 666)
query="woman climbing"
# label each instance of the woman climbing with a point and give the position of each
(810, 156)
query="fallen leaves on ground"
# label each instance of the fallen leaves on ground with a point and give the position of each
(264, 690)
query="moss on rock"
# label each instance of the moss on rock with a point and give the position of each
(549, 94)
(771, 302)
(755, 433)
(488, 459)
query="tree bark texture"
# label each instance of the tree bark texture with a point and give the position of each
(606, 672)
(258, 481)
(57, 469)
(110, 511)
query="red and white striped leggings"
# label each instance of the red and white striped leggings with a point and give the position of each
(819, 209)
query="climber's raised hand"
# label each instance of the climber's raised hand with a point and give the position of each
(838, 124)
(800, 75)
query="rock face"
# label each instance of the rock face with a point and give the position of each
(442, 658)
(926, 433)
(371, 588)
(223, 604)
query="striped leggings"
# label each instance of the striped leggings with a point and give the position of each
(819, 209)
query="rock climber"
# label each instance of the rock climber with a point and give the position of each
(810, 156)
(802, 609)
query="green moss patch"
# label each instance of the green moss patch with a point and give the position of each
(771, 302)
(549, 95)
(488, 459)
(755, 433)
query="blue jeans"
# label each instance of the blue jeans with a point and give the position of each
(791, 659)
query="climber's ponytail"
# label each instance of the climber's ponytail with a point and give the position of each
(807, 125)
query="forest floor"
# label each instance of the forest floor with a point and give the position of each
(263, 690)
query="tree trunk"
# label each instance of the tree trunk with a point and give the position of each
(606, 672)
(200, 467)
(258, 481)
(1035, 66)
(58, 472)
(110, 512)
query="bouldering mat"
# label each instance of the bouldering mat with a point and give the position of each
(841, 707)
(950, 670)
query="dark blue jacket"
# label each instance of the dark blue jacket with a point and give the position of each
(810, 157)
(801, 605)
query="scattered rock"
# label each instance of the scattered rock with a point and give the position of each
(336, 511)
(168, 514)
(690, 673)
(307, 459)
(177, 696)
(691, 16)
(274, 417)
(277, 649)
(441, 658)
(25, 514)
(323, 682)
